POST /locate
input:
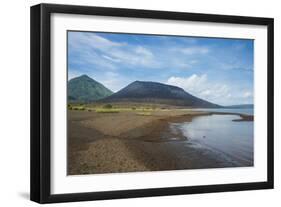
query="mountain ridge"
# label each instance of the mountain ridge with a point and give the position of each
(160, 93)
(85, 89)
(240, 106)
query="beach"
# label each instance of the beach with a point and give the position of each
(130, 141)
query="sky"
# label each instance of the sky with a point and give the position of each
(215, 69)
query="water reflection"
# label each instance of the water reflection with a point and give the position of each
(219, 133)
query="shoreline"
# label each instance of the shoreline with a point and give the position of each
(132, 143)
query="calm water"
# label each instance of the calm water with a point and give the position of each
(249, 111)
(218, 133)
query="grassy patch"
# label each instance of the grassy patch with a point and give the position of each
(103, 110)
(80, 108)
(107, 106)
(144, 113)
(142, 110)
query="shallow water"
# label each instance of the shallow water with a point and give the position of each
(218, 133)
(248, 111)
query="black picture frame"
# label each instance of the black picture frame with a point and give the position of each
(41, 96)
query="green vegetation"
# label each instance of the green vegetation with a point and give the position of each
(75, 107)
(103, 110)
(81, 108)
(84, 89)
(69, 106)
(142, 110)
(107, 106)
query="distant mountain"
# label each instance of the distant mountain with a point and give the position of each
(153, 92)
(86, 89)
(241, 106)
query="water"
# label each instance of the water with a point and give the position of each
(218, 133)
(248, 111)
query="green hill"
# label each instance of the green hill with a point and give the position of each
(84, 89)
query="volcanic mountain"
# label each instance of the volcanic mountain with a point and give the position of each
(85, 89)
(157, 93)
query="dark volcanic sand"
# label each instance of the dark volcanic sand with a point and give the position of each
(127, 142)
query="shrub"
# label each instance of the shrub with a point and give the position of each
(107, 106)
(80, 108)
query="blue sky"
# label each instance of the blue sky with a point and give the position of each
(215, 69)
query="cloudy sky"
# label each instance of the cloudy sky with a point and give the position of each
(215, 69)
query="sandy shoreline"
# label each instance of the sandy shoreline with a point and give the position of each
(128, 142)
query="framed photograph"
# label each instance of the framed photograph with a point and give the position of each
(133, 103)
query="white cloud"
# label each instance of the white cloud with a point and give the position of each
(78, 39)
(111, 59)
(247, 94)
(102, 53)
(191, 84)
(135, 56)
(143, 51)
(114, 81)
(200, 86)
(195, 50)
(97, 50)
(219, 93)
